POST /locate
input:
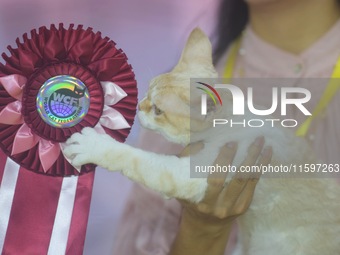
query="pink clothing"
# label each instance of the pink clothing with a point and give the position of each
(150, 223)
(310, 69)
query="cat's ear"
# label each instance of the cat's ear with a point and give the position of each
(198, 50)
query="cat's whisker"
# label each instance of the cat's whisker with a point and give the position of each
(150, 72)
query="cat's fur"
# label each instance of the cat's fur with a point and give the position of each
(287, 216)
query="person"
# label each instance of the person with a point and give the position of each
(279, 39)
(206, 226)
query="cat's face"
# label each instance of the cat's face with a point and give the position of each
(78, 93)
(166, 108)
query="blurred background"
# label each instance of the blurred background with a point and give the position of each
(151, 32)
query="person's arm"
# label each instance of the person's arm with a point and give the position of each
(205, 227)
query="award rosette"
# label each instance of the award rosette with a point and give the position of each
(56, 82)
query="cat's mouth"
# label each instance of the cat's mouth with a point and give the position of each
(149, 124)
(143, 120)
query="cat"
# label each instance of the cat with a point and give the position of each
(287, 215)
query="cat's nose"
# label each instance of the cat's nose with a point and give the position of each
(144, 105)
(141, 105)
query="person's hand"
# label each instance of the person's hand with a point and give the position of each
(223, 203)
(209, 222)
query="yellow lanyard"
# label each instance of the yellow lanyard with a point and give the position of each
(329, 92)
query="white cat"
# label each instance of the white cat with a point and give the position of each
(287, 216)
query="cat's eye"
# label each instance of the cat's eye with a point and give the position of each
(156, 110)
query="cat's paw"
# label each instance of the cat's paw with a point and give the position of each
(86, 147)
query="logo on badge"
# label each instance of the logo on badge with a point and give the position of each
(63, 101)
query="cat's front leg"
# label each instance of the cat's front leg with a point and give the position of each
(90, 147)
(167, 174)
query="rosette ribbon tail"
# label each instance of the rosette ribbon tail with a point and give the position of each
(14, 84)
(24, 140)
(113, 119)
(112, 92)
(48, 153)
(11, 114)
(45, 213)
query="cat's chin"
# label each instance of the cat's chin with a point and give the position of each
(179, 139)
(148, 124)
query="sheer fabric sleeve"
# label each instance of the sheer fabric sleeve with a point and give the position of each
(149, 224)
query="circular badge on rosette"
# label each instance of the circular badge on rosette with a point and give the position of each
(56, 82)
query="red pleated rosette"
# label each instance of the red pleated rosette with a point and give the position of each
(29, 134)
